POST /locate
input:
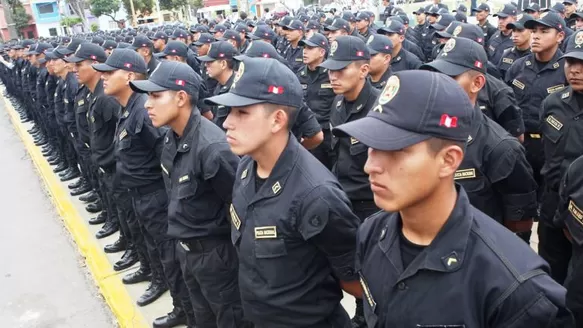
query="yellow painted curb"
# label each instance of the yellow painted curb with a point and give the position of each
(116, 295)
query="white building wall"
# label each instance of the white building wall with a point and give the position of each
(44, 29)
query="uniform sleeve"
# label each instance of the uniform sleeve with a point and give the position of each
(511, 73)
(507, 111)
(151, 136)
(536, 302)
(513, 179)
(305, 123)
(220, 166)
(326, 219)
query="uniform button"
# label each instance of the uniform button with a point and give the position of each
(576, 118)
(402, 286)
(538, 75)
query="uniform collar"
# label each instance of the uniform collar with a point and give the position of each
(276, 181)
(152, 64)
(553, 64)
(399, 56)
(568, 97)
(125, 111)
(362, 98)
(321, 71)
(225, 88)
(446, 253)
(384, 77)
(183, 144)
(98, 89)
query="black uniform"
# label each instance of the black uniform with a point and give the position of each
(294, 57)
(407, 285)
(489, 30)
(199, 172)
(295, 235)
(319, 96)
(152, 64)
(220, 112)
(405, 60)
(509, 57)
(497, 101)
(380, 84)
(413, 48)
(497, 44)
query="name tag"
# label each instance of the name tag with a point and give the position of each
(576, 211)
(235, 218)
(269, 232)
(518, 84)
(507, 60)
(123, 134)
(555, 88)
(554, 122)
(299, 59)
(164, 169)
(353, 141)
(184, 179)
(81, 102)
(326, 86)
(464, 174)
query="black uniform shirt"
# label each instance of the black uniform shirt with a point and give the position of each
(495, 173)
(405, 60)
(380, 84)
(509, 57)
(41, 92)
(414, 49)
(294, 57)
(570, 209)
(295, 238)
(138, 146)
(305, 123)
(199, 173)
(82, 108)
(497, 101)
(352, 154)
(532, 85)
(70, 92)
(50, 88)
(496, 46)
(475, 273)
(59, 101)
(221, 112)
(152, 65)
(318, 93)
(488, 30)
(103, 114)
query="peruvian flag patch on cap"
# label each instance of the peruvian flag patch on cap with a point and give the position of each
(180, 82)
(448, 121)
(276, 90)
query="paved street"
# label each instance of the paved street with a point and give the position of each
(43, 280)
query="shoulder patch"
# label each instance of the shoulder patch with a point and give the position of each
(565, 95)
(464, 174)
(576, 211)
(518, 84)
(234, 217)
(508, 60)
(554, 122)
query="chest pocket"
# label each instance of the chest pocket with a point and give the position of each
(95, 124)
(125, 143)
(186, 189)
(273, 262)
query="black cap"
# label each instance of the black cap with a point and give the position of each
(519, 24)
(284, 21)
(316, 40)
(507, 10)
(174, 48)
(109, 45)
(231, 35)
(45, 59)
(482, 7)
(200, 29)
(170, 75)
(574, 46)
(362, 16)
(40, 48)
(57, 53)
(557, 7)
(241, 28)
(88, 51)
(65, 39)
(549, 19)
(458, 56)
(419, 11)
(338, 23)
(261, 80)
(393, 26)
(443, 21)
(205, 38)
(27, 43)
(303, 18)
(348, 16)
(379, 44)
(179, 33)
(218, 28)
(260, 49)
(71, 47)
(461, 8)
(569, 2)
(344, 50)
(160, 35)
(313, 25)
(122, 45)
(403, 17)
(461, 17)
(295, 25)
(532, 8)
(413, 107)
(219, 50)
(261, 32)
(97, 40)
(124, 59)
(142, 41)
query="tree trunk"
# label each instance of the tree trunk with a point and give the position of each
(78, 10)
(9, 20)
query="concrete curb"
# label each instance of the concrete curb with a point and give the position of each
(115, 293)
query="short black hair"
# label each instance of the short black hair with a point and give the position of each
(291, 112)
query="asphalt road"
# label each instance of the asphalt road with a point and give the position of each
(43, 280)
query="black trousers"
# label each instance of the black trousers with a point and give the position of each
(127, 215)
(554, 248)
(210, 270)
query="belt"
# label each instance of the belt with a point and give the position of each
(147, 189)
(533, 135)
(201, 245)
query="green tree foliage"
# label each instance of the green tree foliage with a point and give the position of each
(94, 27)
(19, 15)
(105, 8)
(141, 6)
(70, 21)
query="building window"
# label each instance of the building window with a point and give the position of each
(45, 8)
(167, 17)
(53, 31)
(30, 34)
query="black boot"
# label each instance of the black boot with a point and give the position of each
(109, 228)
(71, 175)
(156, 289)
(83, 189)
(65, 172)
(175, 318)
(94, 207)
(141, 275)
(119, 245)
(76, 184)
(129, 258)
(89, 198)
(99, 219)
(60, 168)
(53, 159)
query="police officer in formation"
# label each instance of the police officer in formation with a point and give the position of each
(258, 169)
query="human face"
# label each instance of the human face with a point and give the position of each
(545, 38)
(569, 8)
(313, 55)
(420, 19)
(578, 23)
(32, 59)
(50, 68)
(203, 50)
(378, 63)
(521, 38)
(334, 34)
(195, 36)
(108, 52)
(431, 19)
(233, 43)
(144, 52)
(293, 35)
(481, 15)
(361, 24)
(503, 21)
(83, 71)
(574, 73)
(347, 79)
(115, 82)
(162, 107)
(403, 178)
(248, 128)
(159, 44)
(219, 35)
(395, 38)
(215, 68)
(59, 66)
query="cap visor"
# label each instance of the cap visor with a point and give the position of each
(515, 26)
(308, 43)
(241, 57)
(252, 37)
(444, 34)
(42, 60)
(102, 67)
(438, 26)
(160, 55)
(574, 54)
(335, 65)
(145, 86)
(331, 28)
(503, 15)
(379, 135)
(232, 100)
(73, 59)
(64, 52)
(533, 23)
(206, 58)
(445, 67)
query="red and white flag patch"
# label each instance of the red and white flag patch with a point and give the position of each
(275, 89)
(448, 121)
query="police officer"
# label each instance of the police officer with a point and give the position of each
(338, 27)
(501, 40)
(381, 49)
(160, 40)
(348, 67)
(293, 264)
(410, 43)
(521, 39)
(494, 171)
(266, 34)
(232, 37)
(318, 92)
(570, 10)
(363, 25)
(242, 30)
(533, 9)
(293, 53)
(561, 132)
(482, 12)
(219, 63)
(199, 172)
(202, 46)
(402, 252)
(401, 59)
(138, 147)
(145, 47)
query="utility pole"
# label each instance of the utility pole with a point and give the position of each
(9, 20)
